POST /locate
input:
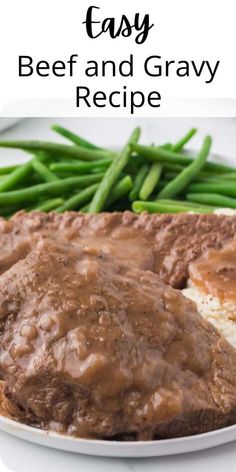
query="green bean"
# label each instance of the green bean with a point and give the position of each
(138, 182)
(217, 182)
(3, 176)
(16, 177)
(85, 208)
(171, 170)
(81, 166)
(222, 188)
(207, 180)
(204, 176)
(105, 178)
(212, 199)
(216, 177)
(43, 171)
(165, 156)
(8, 169)
(67, 175)
(161, 184)
(9, 210)
(170, 175)
(48, 205)
(181, 143)
(134, 164)
(65, 160)
(167, 146)
(77, 152)
(150, 181)
(174, 168)
(159, 207)
(96, 170)
(75, 138)
(175, 186)
(112, 175)
(76, 201)
(52, 188)
(19, 174)
(201, 177)
(187, 203)
(121, 189)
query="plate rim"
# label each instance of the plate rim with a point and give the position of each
(31, 429)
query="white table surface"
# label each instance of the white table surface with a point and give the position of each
(19, 456)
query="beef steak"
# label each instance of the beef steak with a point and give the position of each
(94, 348)
(164, 244)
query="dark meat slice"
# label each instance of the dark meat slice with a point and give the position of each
(184, 239)
(94, 349)
(164, 244)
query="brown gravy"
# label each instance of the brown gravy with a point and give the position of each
(93, 343)
(215, 272)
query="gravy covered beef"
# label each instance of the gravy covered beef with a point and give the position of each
(95, 341)
(97, 349)
(164, 244)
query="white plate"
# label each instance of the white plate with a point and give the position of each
(159, 448)
(165, 447)
(6, 123)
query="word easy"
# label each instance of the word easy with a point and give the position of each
(125, 28)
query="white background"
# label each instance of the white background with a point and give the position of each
(52, 30)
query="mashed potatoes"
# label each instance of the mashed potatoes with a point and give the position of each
(222, 314)
(212, 286)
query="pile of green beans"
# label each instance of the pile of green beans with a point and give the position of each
(82, 176)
